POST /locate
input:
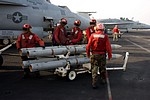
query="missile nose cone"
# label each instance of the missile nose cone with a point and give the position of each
(115, 46)
(118, 46)
(117, 56)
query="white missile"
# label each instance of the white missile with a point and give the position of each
(62, 63)
(23, 51)
(55, 51)
(115, 56)
(26, 64)
(58, 63)
(46, 51)
(58, 51)
(115, 46)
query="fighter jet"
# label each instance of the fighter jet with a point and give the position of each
(42, 15)
(125, 25)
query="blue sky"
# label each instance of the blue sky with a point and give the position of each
(137, 9)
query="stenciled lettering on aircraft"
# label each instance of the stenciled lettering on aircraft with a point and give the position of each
(17, 17)
(4, 33)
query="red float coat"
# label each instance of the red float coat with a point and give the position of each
(28, 40)
(115, 30)
(89, 31)
(60, 35)
(76, 35)
(99, 44)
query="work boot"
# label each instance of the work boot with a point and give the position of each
(26, 75)
(94, 84)
(94, 87)
(103, 81)
(37, 74)
(103, 78)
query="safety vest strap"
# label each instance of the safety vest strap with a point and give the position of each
(76, 31)
(23, 37)
(62, 30)
(91, 31)
(30, 37)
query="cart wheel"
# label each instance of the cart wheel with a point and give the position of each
(1, 60)
(72, 75)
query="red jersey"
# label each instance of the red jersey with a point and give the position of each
(115, 30)
(89, 31)
(99, 44)
(76, 35)
(28, 40)
(60, 35)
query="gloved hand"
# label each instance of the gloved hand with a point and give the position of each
(70, 41)
(88, 56)
(67, 42)
(43, 47)
(18, 49)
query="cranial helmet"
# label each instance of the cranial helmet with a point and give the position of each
(93, 21)
(26, 26)
(77, 22)
(64, 21)
(100, 26)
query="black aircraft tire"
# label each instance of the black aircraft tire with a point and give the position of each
(1, 60)
(5, 41)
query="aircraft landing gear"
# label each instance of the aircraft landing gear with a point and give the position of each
(5, 41)
(1, 60)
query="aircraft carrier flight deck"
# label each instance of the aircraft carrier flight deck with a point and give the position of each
(131, 84)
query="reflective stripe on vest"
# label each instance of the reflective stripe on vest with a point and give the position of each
(98, 36)
(62, 30)
(30, 37)
(91, 31)
(76, 31)
(23, 37)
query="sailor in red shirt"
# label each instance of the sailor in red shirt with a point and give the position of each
(115, 33)
(28, 40)
(60, 35)
(99, 45)
(90, 29)
(76, 33)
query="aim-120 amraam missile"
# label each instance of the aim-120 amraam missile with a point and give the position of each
(73, 61)
(55, 50)
(26, 64)
(59, 63)
(24, 51)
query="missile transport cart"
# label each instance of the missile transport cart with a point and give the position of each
(65, 61)
(71, 71)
